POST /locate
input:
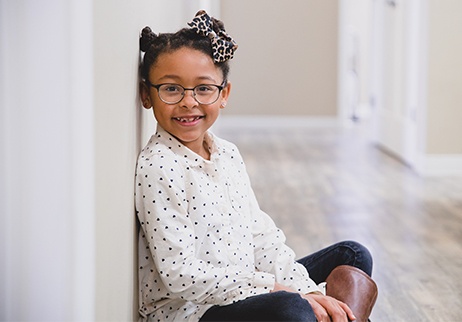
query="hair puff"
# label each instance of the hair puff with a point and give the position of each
(147, 38)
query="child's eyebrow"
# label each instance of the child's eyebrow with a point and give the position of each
(177, 78)
(206, 78)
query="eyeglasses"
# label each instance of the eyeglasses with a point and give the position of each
(205, 94)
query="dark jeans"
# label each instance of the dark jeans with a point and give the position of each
(285, 306)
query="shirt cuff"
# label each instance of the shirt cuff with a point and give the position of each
(321, 287)
(306, 286)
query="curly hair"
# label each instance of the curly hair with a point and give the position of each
(154, 45)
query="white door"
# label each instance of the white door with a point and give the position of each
(397, 77)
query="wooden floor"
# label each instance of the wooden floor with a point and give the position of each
(323, 185)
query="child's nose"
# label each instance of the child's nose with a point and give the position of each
(189, 100)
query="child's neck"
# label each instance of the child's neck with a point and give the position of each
(205, 151)
(201, 149)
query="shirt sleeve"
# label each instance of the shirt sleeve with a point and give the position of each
(162, 210)
(273, 255)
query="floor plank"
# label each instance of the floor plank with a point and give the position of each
(323, 185)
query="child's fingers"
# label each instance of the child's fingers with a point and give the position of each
(348, 311)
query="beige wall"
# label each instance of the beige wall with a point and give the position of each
(286, 63)
(444, 116)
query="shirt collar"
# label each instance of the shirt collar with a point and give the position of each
(189, 156)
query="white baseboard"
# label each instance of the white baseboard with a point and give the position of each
(429, 165)
(440, 165)
(226, 122)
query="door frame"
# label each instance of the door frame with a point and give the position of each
(406, 142)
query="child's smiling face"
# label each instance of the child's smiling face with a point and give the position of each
(187, 120)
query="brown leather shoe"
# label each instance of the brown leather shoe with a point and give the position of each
(353, 287)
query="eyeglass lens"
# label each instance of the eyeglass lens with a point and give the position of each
(174, 93)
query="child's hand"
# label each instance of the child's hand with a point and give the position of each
(325, 308)
(328, 309)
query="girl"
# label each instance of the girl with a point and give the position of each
(206, 250)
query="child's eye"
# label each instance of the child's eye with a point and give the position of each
(204, 88)
(171, 88)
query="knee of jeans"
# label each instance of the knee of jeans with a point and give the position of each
(292, 307)
(363, 257)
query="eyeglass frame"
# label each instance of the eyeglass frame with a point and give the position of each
(157, 86)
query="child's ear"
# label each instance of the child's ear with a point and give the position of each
(145, 95)
(225, 92)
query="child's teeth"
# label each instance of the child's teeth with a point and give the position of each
(187, 119)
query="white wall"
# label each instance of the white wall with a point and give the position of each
(121, 129)
(355, 36)
(416, 83)
(70, 130)
(47, 155)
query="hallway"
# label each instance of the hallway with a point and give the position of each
(323, 185)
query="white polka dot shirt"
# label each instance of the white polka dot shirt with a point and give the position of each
(204, 240)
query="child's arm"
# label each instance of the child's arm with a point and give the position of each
(271, 253)
(274, 256)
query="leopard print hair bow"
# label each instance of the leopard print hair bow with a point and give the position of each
(223, 46)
